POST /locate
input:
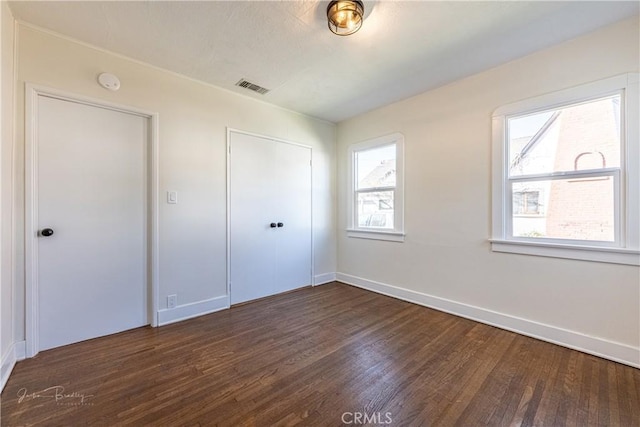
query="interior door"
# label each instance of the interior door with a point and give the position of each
(293, 211)
(91, 208)
(269, 217)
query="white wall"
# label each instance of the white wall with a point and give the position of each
(446, 260)
(7, 350)
(193, 121)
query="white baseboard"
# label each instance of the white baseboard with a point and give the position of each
(611, 350)
(195, 309)
(21, 350)
(321, 279)
(14, 353)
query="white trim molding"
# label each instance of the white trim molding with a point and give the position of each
(14, 353)
(600, 347)
(625, 248)
(390, 236)
(32, 92)
(191, 310)
(323, 279)
(396, 234)
(583, 253)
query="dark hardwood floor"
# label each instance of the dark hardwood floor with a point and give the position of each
(321, 356)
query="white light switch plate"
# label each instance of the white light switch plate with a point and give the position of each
(172, 197)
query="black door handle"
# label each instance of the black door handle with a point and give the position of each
(272, 225)
(280, 225)
(46, 232)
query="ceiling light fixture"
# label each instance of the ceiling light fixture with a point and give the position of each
(345, 16)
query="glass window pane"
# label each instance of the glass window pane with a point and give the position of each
(526, 202)
(577, 209)
(376, 167)
(577, 137)
(375, 209)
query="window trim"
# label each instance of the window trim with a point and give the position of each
(626, 249)
(353, 230)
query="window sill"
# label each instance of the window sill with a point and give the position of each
(390, 236)
(555, 250)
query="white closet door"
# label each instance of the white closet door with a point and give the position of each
(252, 240)
(269, 184)
(92, 194)
(293, 207)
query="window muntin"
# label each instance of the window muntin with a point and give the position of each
(580, 142)
(376, 198)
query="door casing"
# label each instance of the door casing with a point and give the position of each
(32, 92)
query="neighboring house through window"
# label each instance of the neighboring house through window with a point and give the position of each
(376, 189)
(526, 202)
(565, 178)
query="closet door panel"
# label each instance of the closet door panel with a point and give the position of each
(269, 183)
(251, 211)
(293, 205)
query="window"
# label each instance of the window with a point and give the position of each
(566, 174)
(376, 189)
(526, 202)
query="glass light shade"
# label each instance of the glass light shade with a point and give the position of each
(345, 16)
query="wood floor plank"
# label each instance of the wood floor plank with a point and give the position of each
(313, 357)
(512, 409)
(630, 413)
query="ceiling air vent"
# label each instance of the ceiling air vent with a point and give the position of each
(252, 86)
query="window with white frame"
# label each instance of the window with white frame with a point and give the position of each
(376, 188)
(566, 173)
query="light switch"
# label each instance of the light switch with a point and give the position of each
(172, 197)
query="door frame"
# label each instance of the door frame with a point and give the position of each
(273, 139)
(32, 305)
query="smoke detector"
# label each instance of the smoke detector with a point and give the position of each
(109, 81)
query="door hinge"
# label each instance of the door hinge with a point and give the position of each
(229, 149)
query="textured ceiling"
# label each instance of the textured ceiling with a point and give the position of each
(403, 48)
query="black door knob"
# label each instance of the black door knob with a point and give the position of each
(280, 225)
(272, 225)
(46, 232)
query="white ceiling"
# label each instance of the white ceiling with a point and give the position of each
(403, 48)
